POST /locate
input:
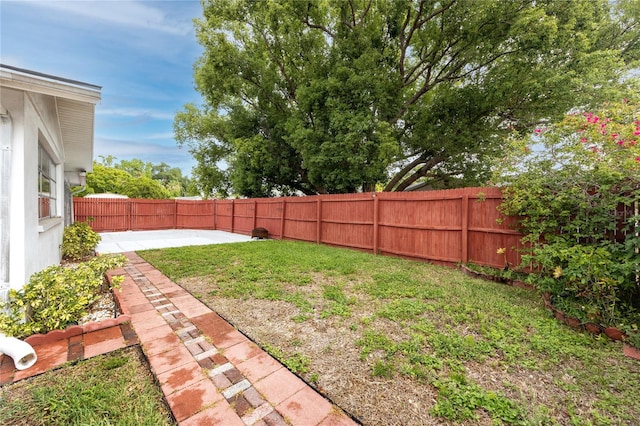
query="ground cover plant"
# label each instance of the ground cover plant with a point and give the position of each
(400, 342)
(98, 391)
(57, 296)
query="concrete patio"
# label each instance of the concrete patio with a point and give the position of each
(122, 242)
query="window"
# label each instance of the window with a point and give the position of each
(47, 195)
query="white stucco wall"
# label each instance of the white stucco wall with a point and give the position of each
(34, 244)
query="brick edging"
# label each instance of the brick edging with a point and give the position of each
(75, 330)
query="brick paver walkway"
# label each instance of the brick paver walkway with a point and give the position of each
(210, 373)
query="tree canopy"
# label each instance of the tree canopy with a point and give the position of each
(137, 179)
(338, 96)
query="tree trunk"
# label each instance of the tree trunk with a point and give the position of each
(405, 177)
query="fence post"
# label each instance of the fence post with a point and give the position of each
(130, 214)
(215, 214)
(464, 239)
(318, 220)
(255, 208)
(376, 219)
(284, 206)
(175, 214)
(233, 213)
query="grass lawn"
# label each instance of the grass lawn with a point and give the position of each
(113, 389)
(399, 342)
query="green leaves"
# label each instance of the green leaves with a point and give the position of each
(575, 193)
(137, 179)
(327, 97)
(79, 241)
(56, 296)
(459, 398)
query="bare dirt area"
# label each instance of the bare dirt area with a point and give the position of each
(335, 368)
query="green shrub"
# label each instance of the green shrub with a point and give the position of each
(56, 296)
(79, 241)
(575, 193)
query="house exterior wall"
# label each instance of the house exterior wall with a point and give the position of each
(34, 244)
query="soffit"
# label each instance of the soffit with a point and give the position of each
(76, 110)
(76, 128)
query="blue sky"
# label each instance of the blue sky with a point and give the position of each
(140, 52)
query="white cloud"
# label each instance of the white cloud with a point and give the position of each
(135, 112)
(127, 149)
(159, 136)
(121, 12)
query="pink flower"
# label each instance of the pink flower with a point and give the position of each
(614, 135)
(538, 131)
(638, 159)
(592, 118)
(620, 143)
(583, 140)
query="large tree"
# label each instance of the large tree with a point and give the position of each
(336, 96)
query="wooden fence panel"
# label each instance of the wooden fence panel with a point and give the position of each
(191, 214)
(224, 215)
(104, 215)
(447, 226)
(243, 216)
(300, 219)
(490, 231)
(269, 215)
(427, 227)
(152, 214)
(347, 221)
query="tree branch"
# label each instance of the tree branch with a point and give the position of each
(291, 87)
(422, 171)
(406, 169)
(316, 26)
(365, 13)
(403, 46)
(353, 15)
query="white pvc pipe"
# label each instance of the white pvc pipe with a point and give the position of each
(22, 353)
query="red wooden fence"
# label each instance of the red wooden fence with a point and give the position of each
(459, 225)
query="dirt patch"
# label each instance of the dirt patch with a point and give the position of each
(331, 344)
(335, 368)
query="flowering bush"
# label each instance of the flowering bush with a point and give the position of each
(575, 188)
